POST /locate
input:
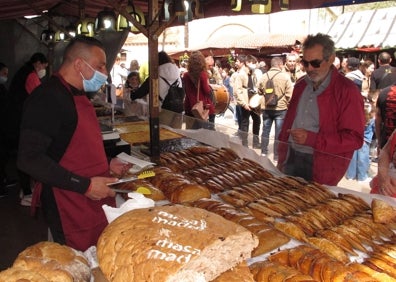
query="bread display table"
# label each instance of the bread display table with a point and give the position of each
(334, 226)
(305, 231)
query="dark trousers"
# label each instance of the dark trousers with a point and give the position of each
(299, 164)
(238, 113)
(244, 125)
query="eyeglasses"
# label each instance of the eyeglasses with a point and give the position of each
(314, 63)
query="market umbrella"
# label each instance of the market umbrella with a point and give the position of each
(263, 43)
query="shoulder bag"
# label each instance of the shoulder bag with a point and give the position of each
(198, 109)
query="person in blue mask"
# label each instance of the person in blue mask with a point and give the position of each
(61, 147)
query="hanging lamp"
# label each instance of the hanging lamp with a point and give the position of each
(261, 6)
(106, 20)
(135, 12)
(86, 27)
(236, 5)
(179, 8)
(284, 5)
(47, 35)
(59, 35)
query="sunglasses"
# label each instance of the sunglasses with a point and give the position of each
(314, 63)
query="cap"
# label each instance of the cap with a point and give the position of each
(353, 62)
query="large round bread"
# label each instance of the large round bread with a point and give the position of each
(172, 243)
(48, 261)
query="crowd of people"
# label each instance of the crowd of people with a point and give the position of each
(301, 83)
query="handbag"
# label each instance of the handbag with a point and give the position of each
(198, 109)
(174, 99)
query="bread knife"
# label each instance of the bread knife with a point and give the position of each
(141, 190)
(144, 174)
(123, 180)
(121, 190)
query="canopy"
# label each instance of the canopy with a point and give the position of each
(365, 30)
(156, 21)
(13, 9)
(254, 43)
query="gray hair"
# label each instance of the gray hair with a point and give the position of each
(276, 62)
(323, 40)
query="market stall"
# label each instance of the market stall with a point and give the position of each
(334, 231)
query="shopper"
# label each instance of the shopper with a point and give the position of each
(196, 81)
(283, 89)
(385, 181)
(319, 135)
(26, 79)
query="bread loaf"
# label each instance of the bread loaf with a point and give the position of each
(48, 261)
(383, 212)
(172, 243)
(239, 273)
(189, 193)
(17, 274)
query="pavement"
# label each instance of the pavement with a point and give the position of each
(227, 124)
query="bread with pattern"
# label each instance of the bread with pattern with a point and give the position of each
(172, 243)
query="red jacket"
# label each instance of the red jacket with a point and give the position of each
(191, 93)
(341, 128)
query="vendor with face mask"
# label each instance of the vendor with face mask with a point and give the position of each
(39, 63)
(61, 147)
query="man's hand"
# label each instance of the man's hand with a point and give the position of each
(99, 189)
(299, 135)
(246, 107)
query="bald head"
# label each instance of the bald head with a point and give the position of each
(276, 62)
(384, 58)
(81, 47)
(82, 57)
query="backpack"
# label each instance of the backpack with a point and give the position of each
(174, 99)
(271, 99)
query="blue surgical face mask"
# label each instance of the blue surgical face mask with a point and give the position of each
(95, 82)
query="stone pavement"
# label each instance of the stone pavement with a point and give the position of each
(227, 125)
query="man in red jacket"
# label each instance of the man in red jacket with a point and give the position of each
(325, 121)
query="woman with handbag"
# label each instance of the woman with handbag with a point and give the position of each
(198, 102)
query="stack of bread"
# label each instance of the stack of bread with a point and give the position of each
(305, 263)
(339, 226)
(172, 243)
